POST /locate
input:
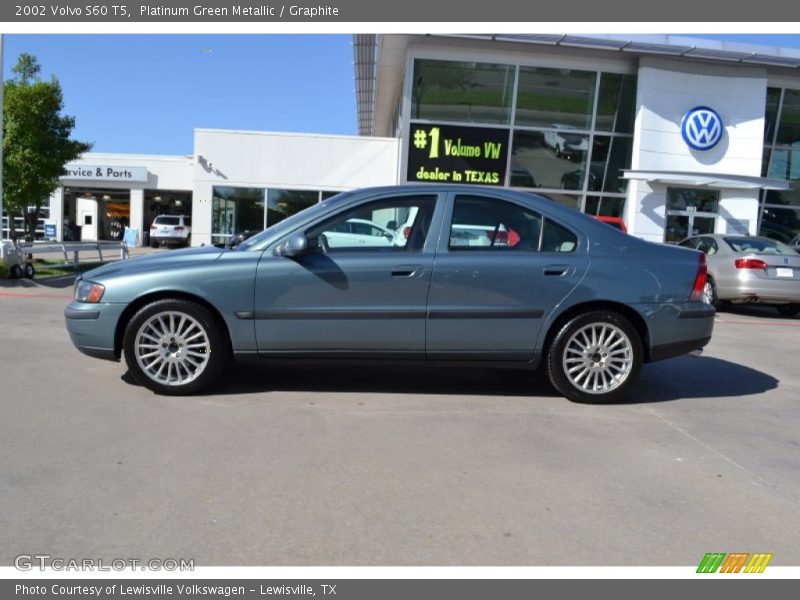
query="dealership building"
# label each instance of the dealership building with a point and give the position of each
(674, 135)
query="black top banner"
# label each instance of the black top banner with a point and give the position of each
(408, 11)
(455, 154)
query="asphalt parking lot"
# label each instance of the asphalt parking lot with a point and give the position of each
(394, 466)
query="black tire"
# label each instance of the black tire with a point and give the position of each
(29, 271)
(15, 272)
(788, 310)
(214, 353)
(154, 244)
(616, 377)
(711, 291)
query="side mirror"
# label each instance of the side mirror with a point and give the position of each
(296, 245)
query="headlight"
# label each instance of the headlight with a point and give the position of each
(88, 291)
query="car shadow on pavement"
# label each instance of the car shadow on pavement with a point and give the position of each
(674, 379)
(687, 377)
(754, 310)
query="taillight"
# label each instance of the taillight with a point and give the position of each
(180, 228)
(153, 226)
(700, 279)
(406, 232)
(750, 263)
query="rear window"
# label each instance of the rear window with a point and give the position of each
(758, 246)
(167, 221)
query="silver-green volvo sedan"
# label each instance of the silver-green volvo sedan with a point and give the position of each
(467, 275)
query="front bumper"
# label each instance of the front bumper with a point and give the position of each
(91, 327)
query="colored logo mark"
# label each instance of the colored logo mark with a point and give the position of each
(701, 128)
(737, 562)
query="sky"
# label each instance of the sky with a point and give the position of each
(145, 94)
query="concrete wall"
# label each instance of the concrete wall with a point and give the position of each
(667, 89)
(284, 161)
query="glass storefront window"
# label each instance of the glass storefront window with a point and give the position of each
(284, 203)
(569, 200)
(781, 224)
(548, 159)
(790, 197)
(235, 210)
(789, 127)
(765, 161)
(604, 206)
(679, 227)
(692, 200)
(610, 155)
(785, 164)
(467, 92)
(616, 103)
(556, 98)
(771, 115)
(690, 212)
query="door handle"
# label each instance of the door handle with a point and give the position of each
(406, 270)
(555, 270)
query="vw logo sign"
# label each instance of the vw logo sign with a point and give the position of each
(701, 128)
(786, 261)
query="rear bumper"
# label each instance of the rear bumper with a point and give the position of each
(676, 328)
(757, 289)
(91, 328)
(168, 240)
(672, 349)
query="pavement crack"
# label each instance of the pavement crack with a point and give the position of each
(721, 455)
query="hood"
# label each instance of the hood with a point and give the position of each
(157, 261)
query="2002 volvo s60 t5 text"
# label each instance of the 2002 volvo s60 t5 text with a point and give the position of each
(549, 286)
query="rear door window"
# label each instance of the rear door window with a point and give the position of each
(482, 223)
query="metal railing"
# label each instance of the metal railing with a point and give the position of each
(73, 248)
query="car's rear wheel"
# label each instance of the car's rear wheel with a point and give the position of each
(788, 310)
(595, 357)
(175, 347)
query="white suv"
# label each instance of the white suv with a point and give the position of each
(170, 230)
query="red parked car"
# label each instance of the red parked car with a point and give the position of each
(615, 222)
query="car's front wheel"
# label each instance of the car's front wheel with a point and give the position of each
(175, 347)
(594, 357)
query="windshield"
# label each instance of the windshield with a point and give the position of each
(167, 221)
(258, 242)
(759, 246)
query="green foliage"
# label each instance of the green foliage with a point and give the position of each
(3, 269)
(36, 140)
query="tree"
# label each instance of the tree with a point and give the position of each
(36, 142)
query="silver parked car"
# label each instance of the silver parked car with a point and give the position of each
(558, 289)
(744, 269)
